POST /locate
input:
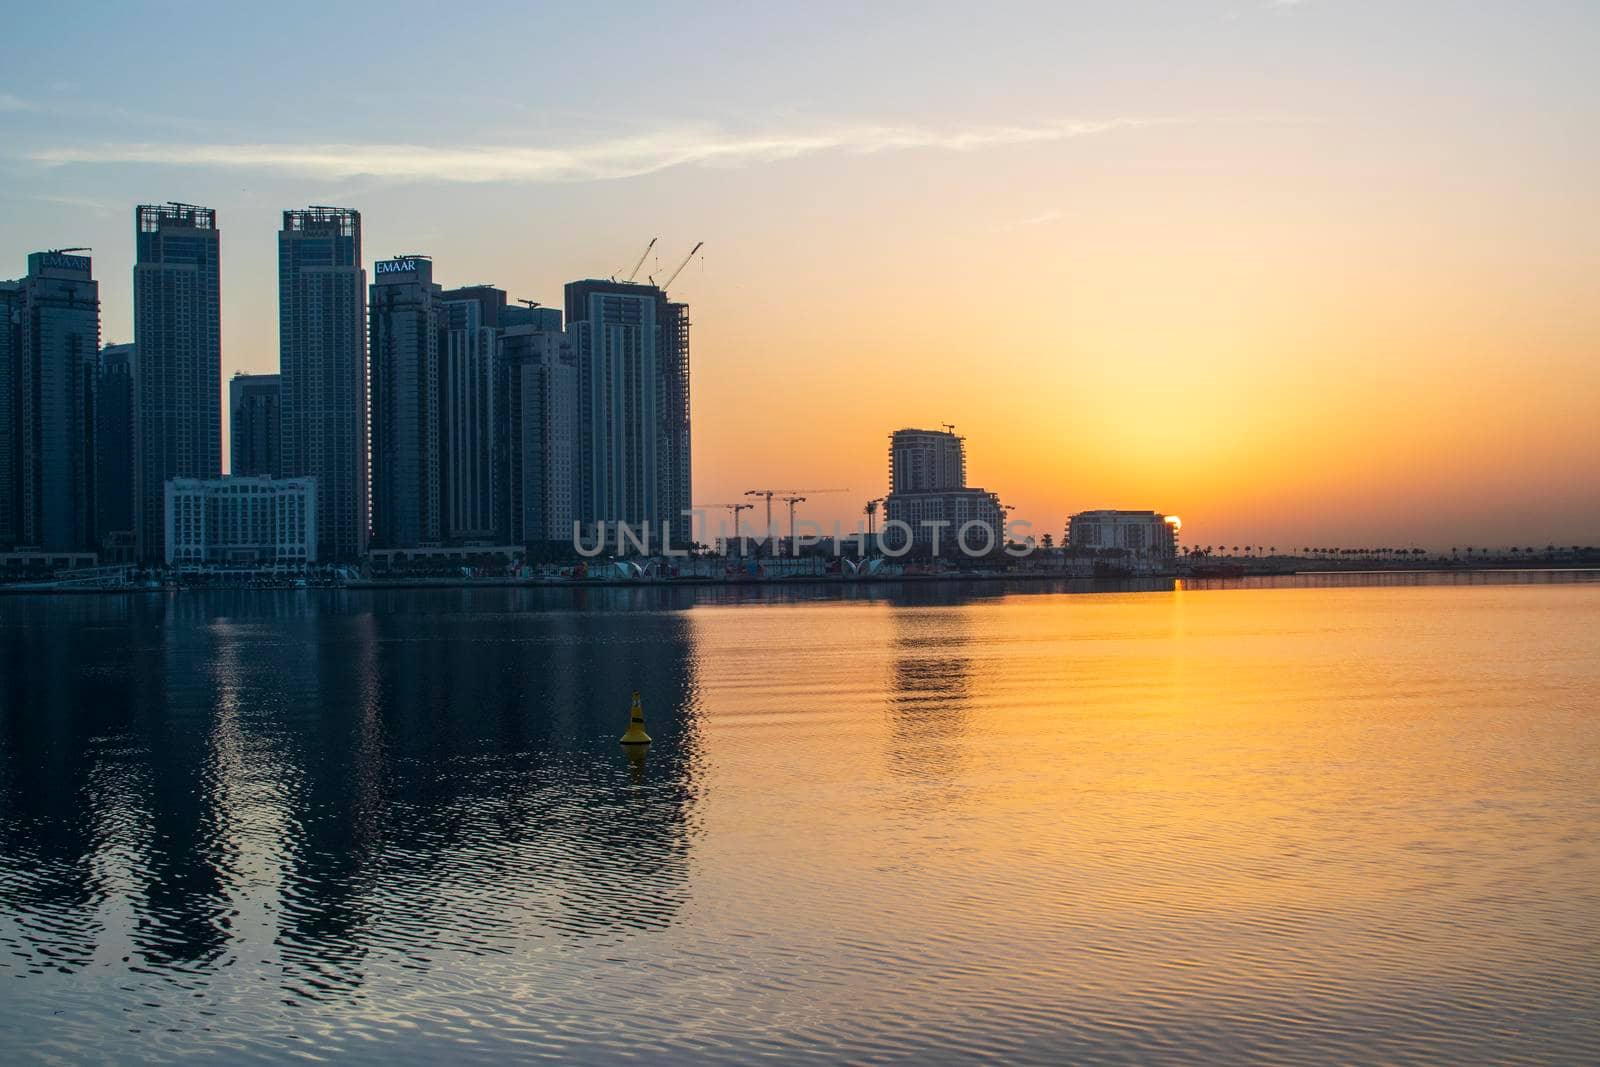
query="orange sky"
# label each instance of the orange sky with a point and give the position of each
(1301, 273)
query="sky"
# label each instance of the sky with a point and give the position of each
(1303, 273)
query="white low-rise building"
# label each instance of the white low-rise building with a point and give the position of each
(245, 521)
(1145, 534)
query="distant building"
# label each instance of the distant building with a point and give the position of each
(242, 522)
(471, 320)
(177, 326)
(254, 416)
(530, 313)
(538, 422)
(1143, 534)
(10, 343)
(322, 344)
(922, 461)
(113, 449)
(973, 521)
(404, 333)
(929, 494)
(49, 354)
(631, 347)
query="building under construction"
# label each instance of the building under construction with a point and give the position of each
(631, 345)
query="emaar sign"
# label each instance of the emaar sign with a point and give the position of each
(58, 261)
(397, 266)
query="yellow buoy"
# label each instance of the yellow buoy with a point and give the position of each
(636, 734)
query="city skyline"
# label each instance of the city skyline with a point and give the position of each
(1275, 313)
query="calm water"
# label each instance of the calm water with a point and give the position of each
(1282, 822)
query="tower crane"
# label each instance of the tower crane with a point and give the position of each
(792, 501)
(632, 273)
(664, 286)
(781, 495)
(734, 509)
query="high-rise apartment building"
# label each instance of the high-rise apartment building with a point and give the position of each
(322, 347)
(471, 319)
(631, 346)
(10, 321)
(49, 349)
(177, 326)
(113, 439)
(404, 333)
(676, 460)
(537, 438)
(255, 425)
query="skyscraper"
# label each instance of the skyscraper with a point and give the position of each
(10, 340)
(47, 390)
(322, 360)
(255, 425)
(403, 327)
(536, 438)
(113, 438)
(676, 458)
(177, 326)
(471, 318)
(632, 351)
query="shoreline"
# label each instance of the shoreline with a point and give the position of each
(371, 585)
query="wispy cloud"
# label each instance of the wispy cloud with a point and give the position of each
(9, 102)
(1040, 219)
(99, 207)
(595, 161)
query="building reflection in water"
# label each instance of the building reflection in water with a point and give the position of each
(325, 783)
(930, 700)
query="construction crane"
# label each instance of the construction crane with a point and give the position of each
(949, 427)
(634, 272)
(770, 493)
(664, 286)
(734, 509)
(64, 251)
(531, 304)
(792, 501)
